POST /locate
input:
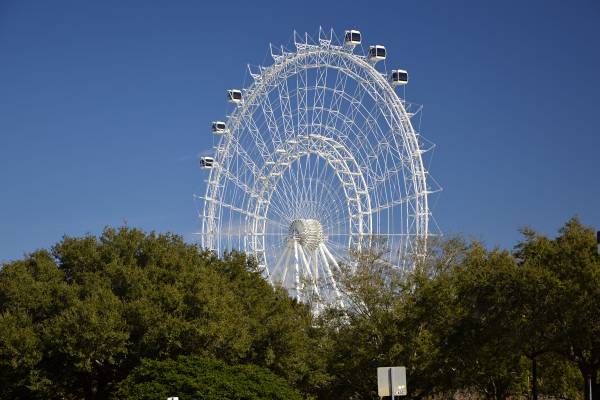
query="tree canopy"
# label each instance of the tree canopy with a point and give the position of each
(78, 319)
(202, 378)
(128, 314)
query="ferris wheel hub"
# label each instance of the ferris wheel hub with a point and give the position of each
(308, 232)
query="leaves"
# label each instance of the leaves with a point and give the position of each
(144, 315)
(79, 319)
(193, 377)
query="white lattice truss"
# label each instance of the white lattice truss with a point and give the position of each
(320, 157)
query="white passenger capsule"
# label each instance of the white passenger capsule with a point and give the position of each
(219, 127)
(352, 38)
(234, 96)
(399, 77)
(376, 53)
(206, 162)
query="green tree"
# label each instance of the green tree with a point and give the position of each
(19, 354)
(202, 378)
(87, 343)
(31, 291)
(532, 307)
(80, 318)
(392, 319)
(479, 342)
(571, 259)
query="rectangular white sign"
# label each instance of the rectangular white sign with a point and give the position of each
(391, 380)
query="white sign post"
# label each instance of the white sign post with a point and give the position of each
(391, 381)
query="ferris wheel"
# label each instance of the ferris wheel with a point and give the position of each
(318, 157)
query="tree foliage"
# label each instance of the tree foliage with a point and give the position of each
(202, 378)
(468, 320)
(78, 319)
(131, 313)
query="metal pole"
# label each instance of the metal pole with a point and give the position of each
(597, 252)
(391, 388)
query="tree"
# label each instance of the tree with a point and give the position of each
(80, 318)
(86, 344)
(31, 290)
(19, 353)
(392, 319)
(572, 260)
(77, 320)
(202, 378)
(450, 322)
(534, 304)
(480, 341)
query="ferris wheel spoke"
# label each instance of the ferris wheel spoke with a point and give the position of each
(301, 99)
(394, 203)
(232, 208)
(285, 179)
(340, 224)
(285, 192)
(368, 128)
(275, 222)
(296, 270)
(249, 164)
(329, 256)
(340, 249)
(301, 179)
(384, 178)
(277, 204)
(286, 206)
(312, 278)
(317, 188)
(286, 109)
(334, 220)
(286, 263)
(339, 88)
(270, 120)
(295, 190)
(352, 109)
(237, 182)
(280, 212)
(329, 273)
(319, 96)
(263, 148)
(326, 185)
(336, 213)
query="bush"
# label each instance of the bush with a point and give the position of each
(195, 377)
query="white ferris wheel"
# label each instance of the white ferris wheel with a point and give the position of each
(318, 156)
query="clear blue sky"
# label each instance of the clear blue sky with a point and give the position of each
(104, 106)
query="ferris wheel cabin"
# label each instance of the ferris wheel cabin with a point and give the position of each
(399, 77)
(219, 127)
(234, 96)
(207, 162)
(352, 38)
(376, 53)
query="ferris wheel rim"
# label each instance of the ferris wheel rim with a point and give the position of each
(391, 121)
(403, 120)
